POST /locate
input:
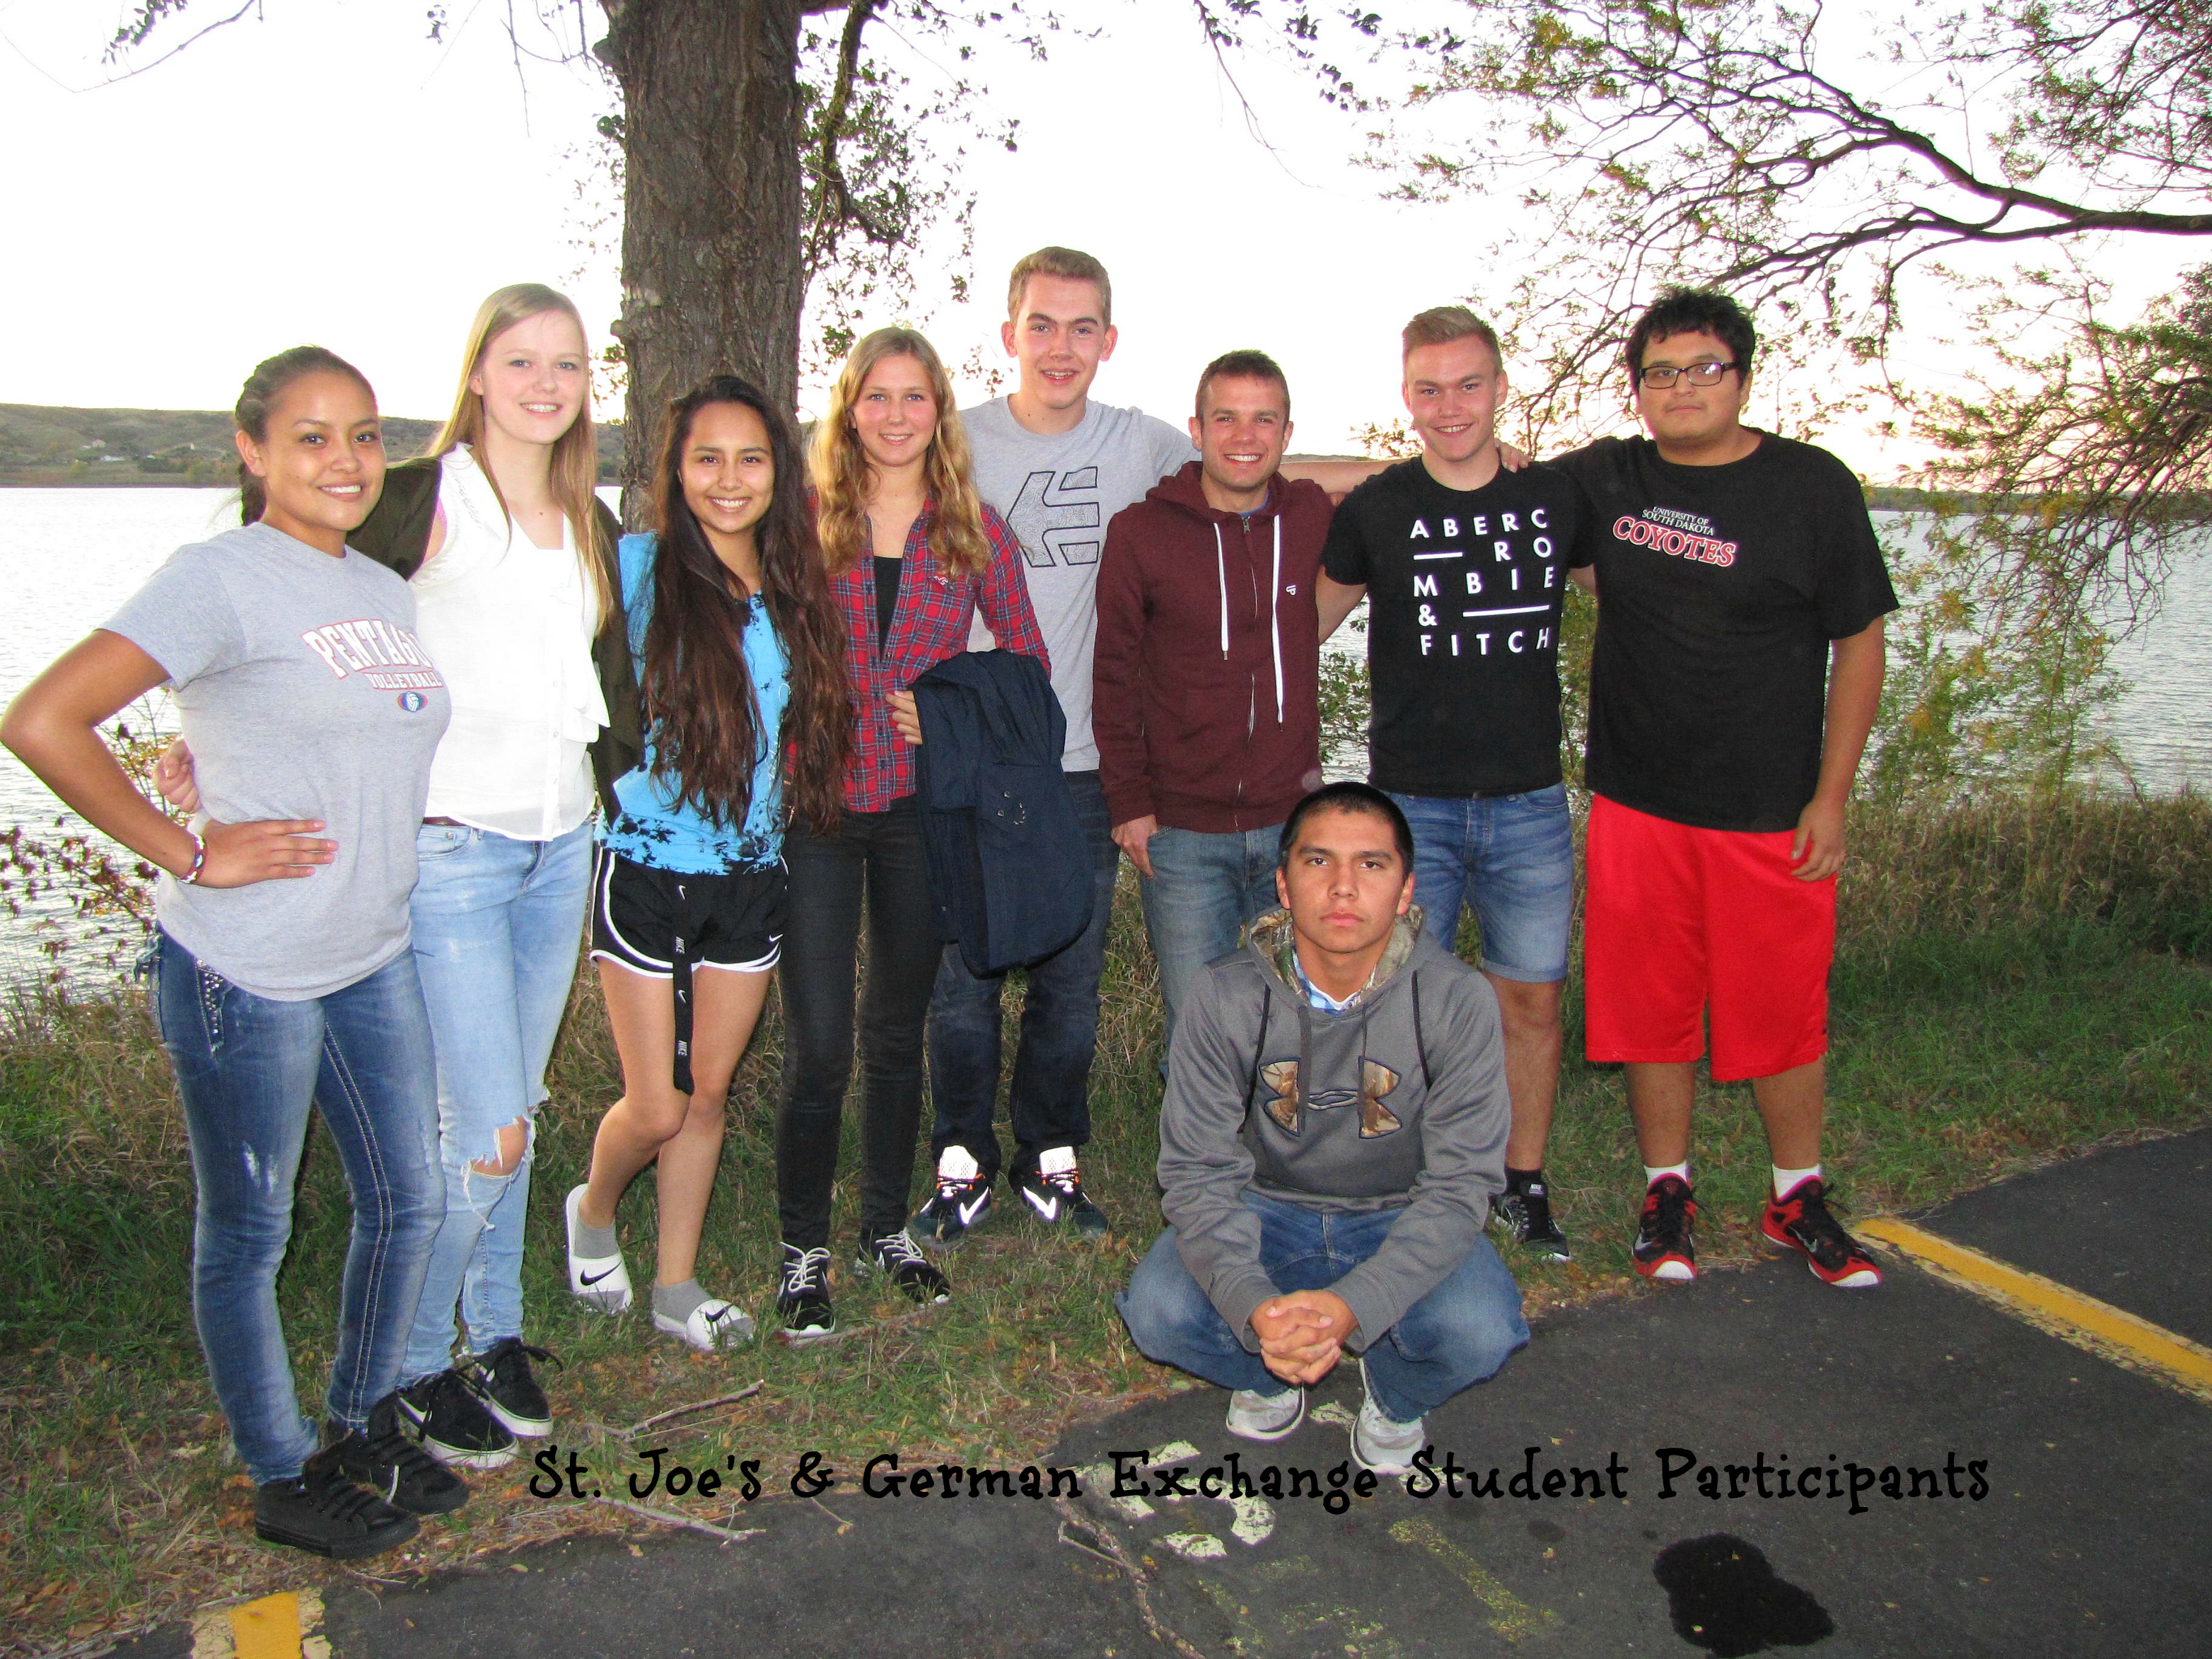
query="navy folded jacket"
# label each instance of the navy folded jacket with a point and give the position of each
(1008, 864)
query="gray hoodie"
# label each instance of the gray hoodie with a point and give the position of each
(1397, 1103)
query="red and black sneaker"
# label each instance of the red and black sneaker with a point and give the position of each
(1664, 1248)
(1800, 1222)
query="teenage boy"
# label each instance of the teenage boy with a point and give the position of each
(1058, 466)
(1464, 563)
(1206, 685)
(1736, 673)
(1333, 1133)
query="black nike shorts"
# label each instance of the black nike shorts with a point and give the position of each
(736, 919)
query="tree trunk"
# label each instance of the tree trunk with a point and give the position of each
(712, 205)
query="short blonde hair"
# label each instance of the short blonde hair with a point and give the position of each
(1442, 325)
(1067, 262)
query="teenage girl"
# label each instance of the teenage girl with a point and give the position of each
(912, 554)
(511, 557)
(741, 665)
(280, 964)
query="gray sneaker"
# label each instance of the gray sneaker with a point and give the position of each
(1256, 1416)
(1381, 1443)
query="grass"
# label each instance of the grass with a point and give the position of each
(2013, 982)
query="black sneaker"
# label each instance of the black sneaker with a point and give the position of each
(894, 1255)
(963, 1199)
(501, 1377)
(383, 1459)
(802, 1303)
(1664, 1247)
(1800, 1222)
(451, 1421)
(324, 1513)
(1055, 1194)
(1526, 1217)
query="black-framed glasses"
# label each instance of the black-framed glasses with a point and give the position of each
(1660, 376)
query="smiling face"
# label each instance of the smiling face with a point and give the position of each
(728, 474)
(1059, 335)
(1684, 416)
(321, 460)
(1240, 432)
(1452, 392)
(534, 377)
(1344, 884)
(894, 415)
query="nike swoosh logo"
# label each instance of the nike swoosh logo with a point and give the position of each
(1046, 1208)
(593, 1278)
(968, 1212)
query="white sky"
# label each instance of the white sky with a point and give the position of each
(327, 174)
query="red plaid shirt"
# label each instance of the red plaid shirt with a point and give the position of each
(930, 624)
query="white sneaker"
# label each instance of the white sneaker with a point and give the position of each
(601, 1280)
(1256, 1416)
(1381, 1443)
(713, 1324)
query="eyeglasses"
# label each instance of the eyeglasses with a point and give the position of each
(1663, 376)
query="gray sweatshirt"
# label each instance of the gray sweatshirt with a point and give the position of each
(1398, 1101)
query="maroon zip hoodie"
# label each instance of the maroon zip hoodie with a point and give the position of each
(1205, 682)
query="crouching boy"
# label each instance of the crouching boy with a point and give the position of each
(1332, 1134)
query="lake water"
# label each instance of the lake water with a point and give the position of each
(70, 557)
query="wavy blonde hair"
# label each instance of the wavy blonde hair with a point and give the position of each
(843, 480)
(575, 474)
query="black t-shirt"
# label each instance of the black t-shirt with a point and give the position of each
(1719, 589)
(1464, 593)
(887, 572)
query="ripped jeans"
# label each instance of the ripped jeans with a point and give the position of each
(497, 923)
(247, 1068)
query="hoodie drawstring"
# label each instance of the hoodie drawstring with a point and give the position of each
(1221, 575)
(1274, 604)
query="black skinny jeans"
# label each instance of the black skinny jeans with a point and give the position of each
(878, 855)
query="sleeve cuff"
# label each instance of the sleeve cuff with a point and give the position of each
(1235, 1302)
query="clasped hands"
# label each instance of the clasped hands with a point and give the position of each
(1302, 1335)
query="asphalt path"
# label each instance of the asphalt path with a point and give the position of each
(2061, 1504)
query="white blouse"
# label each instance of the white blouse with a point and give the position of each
(509, 625)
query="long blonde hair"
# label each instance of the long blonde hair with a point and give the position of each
(842, 475)
(575, 466)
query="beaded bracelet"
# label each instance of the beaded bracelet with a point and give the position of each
(191, 876)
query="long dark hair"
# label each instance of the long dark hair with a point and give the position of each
(698, 696)
(271, 376)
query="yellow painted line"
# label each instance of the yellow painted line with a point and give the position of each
(2151, 1345)
(1510, 1616)
(267, 1629)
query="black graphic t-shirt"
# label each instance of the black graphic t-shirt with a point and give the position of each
(1719, 589)
(1464, 593)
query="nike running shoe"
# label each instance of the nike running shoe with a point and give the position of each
(1526, 1216)
(1800, 1222)
(962, 1201)
(1053, 1192)
(1664, 1248)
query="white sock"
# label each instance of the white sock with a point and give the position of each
(1654, 1175)
(1786, 1179)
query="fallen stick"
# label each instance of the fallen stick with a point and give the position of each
(1118, 1555)
(669, 1518)
(643, 1423)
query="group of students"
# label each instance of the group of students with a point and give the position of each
(511, 726)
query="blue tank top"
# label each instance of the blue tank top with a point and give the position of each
(652, 829)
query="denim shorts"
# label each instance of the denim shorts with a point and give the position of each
(1509, 857)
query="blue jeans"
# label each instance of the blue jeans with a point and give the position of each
(1049, 1102)
(1456, 1336)
(1205, 888)
(247, 1068)
(1514, 856)
(495, 923)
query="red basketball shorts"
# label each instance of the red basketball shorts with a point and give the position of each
(1683, 926)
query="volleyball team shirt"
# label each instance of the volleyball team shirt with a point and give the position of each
(1464, 588)
(1719, 591)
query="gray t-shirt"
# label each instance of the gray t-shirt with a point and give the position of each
(304, 694)
(1059, 492)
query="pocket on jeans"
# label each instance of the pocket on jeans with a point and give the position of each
(434, 840)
